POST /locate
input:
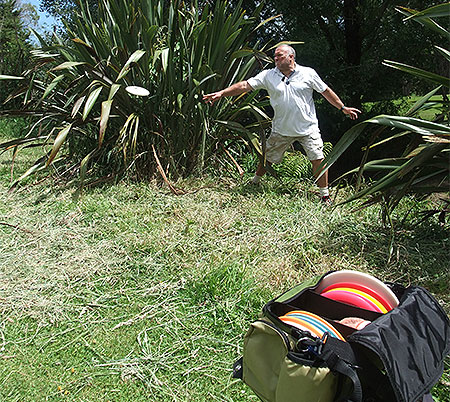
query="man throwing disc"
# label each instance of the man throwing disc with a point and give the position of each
(290, 87)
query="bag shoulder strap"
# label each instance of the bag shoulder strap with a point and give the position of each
(340, 358)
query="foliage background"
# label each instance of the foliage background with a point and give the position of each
(15, 46)
(345, 41)
(75, 90)
(343, 59)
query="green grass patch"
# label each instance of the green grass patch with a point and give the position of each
(402, 105)
(132, 294)
(13, 127)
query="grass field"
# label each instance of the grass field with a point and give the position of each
(133, 294)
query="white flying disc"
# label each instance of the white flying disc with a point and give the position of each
(138, 91)
(361, 278)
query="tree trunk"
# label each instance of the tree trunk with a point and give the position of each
(353, 42)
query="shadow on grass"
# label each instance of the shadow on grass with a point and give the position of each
(271, 185)
(417, 255)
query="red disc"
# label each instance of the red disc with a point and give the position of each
(352, 299)
(362, 288)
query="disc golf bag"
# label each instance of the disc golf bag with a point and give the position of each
(397, 357)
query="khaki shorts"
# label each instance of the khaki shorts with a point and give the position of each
(278, 144)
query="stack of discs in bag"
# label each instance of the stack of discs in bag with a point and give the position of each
(310, 322)
(358, 289)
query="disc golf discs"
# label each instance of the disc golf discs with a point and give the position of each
(373, 300)
(303, 325)
(351, 298)
(355, 322)
(316, 321)
(383, 294)
(359, 287)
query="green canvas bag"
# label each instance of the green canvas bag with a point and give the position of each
(271, 368)
(389, 360)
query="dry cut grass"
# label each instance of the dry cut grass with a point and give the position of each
(134, 294)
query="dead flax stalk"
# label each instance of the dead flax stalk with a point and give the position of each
(174, 190)
(238, 167)
(16, 227)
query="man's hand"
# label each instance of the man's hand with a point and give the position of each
(331, 97)
(212, 98)
(235, 89)
(351, 112)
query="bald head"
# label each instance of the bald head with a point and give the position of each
(288, 49)
(284, 58)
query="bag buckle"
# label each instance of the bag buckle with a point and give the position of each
(311, 346)
(305, 344)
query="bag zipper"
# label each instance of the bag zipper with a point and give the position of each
(273, 316)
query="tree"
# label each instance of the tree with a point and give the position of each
(67, 10)
(347, 40)
(14, 41)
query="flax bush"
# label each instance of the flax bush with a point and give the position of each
(84, 117)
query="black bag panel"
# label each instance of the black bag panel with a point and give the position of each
(330, 310)
(397, 288)
(412, 341)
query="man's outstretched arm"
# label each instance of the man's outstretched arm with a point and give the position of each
(233, 90)
(331, 97)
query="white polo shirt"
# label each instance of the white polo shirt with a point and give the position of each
(291, 99)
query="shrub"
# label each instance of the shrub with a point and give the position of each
(78, 93)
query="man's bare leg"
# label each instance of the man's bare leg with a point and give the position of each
(260, 171)
(323, 180)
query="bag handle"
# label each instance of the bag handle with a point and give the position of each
(336, 364)
(340, 358)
